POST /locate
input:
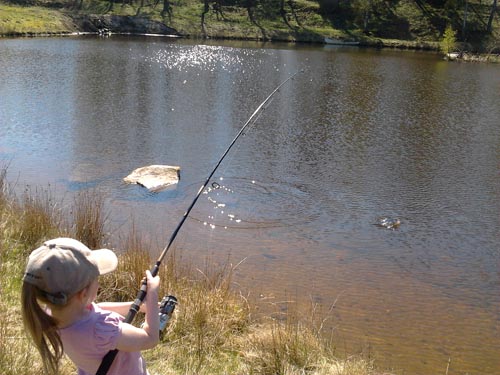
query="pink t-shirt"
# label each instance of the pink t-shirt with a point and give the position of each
(87, 341)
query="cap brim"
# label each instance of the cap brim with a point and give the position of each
(105, 260)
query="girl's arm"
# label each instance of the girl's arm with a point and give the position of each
(121, 308)
(135, 339)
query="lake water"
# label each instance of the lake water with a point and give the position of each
(359, 135)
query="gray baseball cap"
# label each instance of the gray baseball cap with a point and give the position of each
(63, 266)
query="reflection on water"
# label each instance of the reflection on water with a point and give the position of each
(360, 135)
(204, 57)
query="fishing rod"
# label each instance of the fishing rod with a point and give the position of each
(134, 308)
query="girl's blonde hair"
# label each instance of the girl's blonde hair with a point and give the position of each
(42, 327)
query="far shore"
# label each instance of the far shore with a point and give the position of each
(381, 44)
(378, 44)
(40, 21)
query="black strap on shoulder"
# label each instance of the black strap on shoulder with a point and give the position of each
(107, 361)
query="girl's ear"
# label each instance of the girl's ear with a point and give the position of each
(82, 294)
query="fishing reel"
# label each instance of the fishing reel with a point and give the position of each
(167, 307)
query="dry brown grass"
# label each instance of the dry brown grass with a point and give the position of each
(89, 218)
(212, 331)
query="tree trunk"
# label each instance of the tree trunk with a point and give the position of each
(218, 10)
(283, 13)
(464, 25)
(290, 2)
(249, 5)
(492, 14)
(166, 9)
(206, 8)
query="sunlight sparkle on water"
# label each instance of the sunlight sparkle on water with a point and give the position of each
(185, 58)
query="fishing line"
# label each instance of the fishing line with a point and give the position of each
(134, 308)
(219, 188)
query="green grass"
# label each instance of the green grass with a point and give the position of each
(16, 20)
(213, 330)
(406, 25)
(304, 23)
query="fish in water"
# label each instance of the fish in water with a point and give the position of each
(389, 223)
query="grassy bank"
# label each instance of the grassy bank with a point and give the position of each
(402, 25)
(189, 19)
(213, 330)
(186, 19)
(16, 20)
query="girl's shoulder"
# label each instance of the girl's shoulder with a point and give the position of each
(106, 322)
(100, 328)
(99, 321)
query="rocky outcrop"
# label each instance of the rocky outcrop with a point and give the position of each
(154, 177)
(121, 25)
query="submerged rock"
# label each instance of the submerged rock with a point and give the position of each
(154, 177)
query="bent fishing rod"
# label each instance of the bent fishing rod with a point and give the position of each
(134, 308)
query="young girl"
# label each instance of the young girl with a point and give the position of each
(59, 289)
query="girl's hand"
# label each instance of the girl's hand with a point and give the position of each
(153, 282)
(153, 285)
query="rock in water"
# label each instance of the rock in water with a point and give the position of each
(389, 223)
(154, 177)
